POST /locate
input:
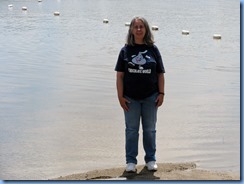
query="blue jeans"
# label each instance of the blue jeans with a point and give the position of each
(145, 110)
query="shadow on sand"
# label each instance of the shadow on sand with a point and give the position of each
(144, 174)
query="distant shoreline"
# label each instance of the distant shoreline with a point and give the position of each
(166, 171)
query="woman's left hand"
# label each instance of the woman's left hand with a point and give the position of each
(160, 99)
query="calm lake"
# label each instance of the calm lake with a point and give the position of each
(59, 112)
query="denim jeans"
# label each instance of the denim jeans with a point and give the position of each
(146, 111)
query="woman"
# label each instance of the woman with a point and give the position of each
(140, 88)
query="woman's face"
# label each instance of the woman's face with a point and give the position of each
(139, 31)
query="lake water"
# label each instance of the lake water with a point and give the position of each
(59, 112)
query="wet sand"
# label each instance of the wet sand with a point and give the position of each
(166, 171)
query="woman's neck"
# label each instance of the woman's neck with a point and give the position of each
(139, 42)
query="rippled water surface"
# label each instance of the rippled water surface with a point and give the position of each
(59, 112)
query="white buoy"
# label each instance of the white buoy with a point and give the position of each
(105, 21)
(127, 24)
(216, 36)
(185, 32)
(10, 5)
(155, 28)
(24, 8)
(56, 13)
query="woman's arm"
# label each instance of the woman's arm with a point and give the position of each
(120, 90)
(161, 82)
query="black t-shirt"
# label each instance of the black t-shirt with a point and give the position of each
(141, 65)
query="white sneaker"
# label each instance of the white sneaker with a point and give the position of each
(130, 167)
(152, 166)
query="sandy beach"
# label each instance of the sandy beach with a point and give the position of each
(166, 171)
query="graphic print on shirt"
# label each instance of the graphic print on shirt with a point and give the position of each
(139, 60)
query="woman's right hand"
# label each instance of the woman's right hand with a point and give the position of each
(123, 103)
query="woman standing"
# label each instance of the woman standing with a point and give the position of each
(140, 88)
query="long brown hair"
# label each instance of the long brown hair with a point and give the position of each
(148, 38)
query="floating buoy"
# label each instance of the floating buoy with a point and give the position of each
(10, 5)
(39, 1)
(105, 21)
(155, 28)
(56, 13)
(216, 36)
(185, 32)
(24, 8)
(127, 24)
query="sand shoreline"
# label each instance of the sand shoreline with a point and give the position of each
(166, 171)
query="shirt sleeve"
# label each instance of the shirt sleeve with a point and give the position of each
(160, 65)
(120, 65)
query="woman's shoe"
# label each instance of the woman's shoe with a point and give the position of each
(152, 166)
(130, 167)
